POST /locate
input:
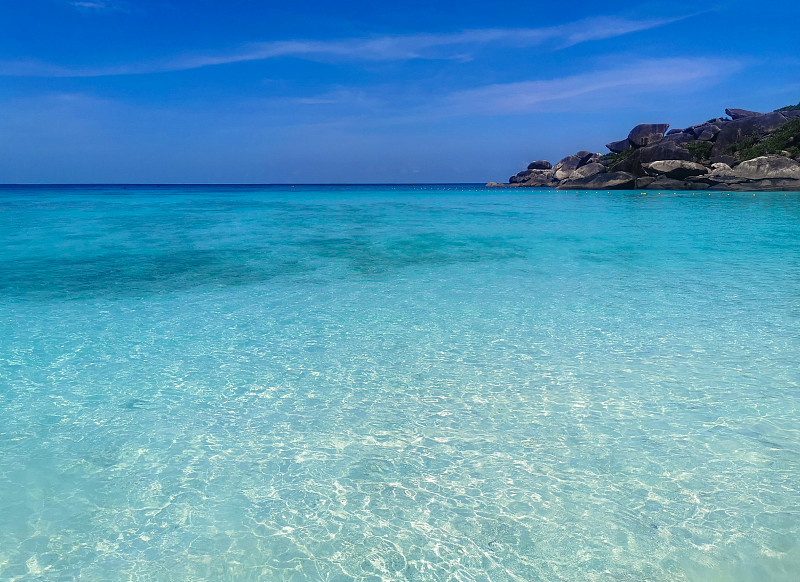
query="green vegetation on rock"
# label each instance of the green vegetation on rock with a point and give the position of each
(789, 108)
(785, 138)
(615, 159)
(700, 149)
(745, 143)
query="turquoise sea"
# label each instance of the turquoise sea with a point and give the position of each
(398, 383)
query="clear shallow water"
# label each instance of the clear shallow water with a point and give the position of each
(389, 383)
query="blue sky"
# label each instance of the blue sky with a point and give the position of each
(145, 91)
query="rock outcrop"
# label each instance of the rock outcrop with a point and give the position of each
(706, 131)
(540, 165)
(768, 167)
(646, 133)
(746, 151)
(741, 113)
(618, 147)
(666, 149)
(563, 169)
(605, 181)
(750, 127)
(675, 169)
(537, 178)
(588, 170)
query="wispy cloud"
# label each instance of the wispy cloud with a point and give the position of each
(343, 96)
(636, 78)
(596, 89)
(458, 45)
(631, 86)
(98, 5)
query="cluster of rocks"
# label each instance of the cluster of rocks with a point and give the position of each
(700, 157)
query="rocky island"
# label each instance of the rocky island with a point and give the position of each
(744, 151)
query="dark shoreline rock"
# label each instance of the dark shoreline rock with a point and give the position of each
(606, 181)
(675, 169)
(749, 151)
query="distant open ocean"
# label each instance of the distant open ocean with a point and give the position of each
(391, 383)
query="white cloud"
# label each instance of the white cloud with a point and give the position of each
(430, 46)
(636, 78)
(459, 45)
(98, 5)
(628, 86)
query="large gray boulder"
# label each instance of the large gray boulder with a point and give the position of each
(721, 169)
(706, 132)
(768, 167)
(540, 165)
(721, 174)
(741, 113)
(678, 138)
(534, 178)
(618, 147)
(743, 127)
(645, 134)
(675, 169)
(609, 181)
(663, 150)
(541, 178)
(520, 177)
(588, 170)
(564, 168)
(585, 155)
(567, 165)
